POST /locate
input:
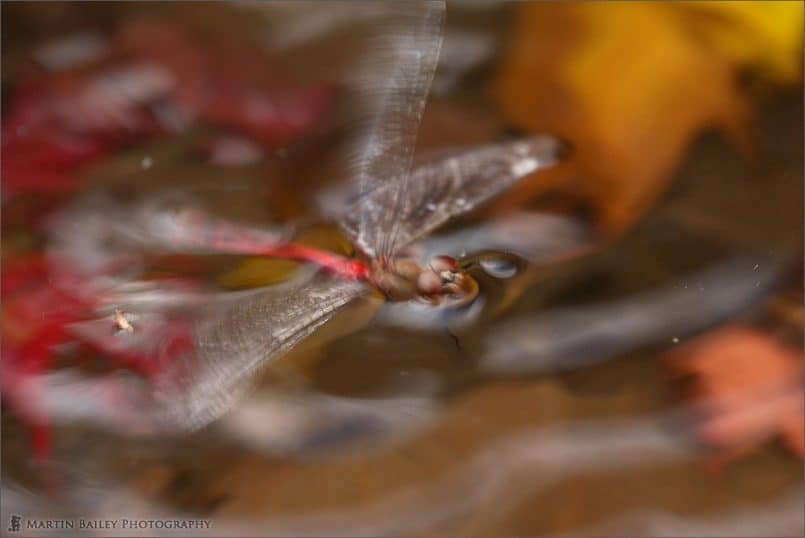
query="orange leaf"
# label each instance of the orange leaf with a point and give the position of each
(629, 84)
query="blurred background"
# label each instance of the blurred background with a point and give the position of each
(647, 382)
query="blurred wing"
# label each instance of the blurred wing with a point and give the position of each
(437, 192)
(203, 384)
(390, 89)
(98, 235)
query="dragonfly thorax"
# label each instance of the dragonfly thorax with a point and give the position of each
(442, 279)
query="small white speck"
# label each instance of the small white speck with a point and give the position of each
(146, 163)
(431, 206)
(757, 284)
(675, 340)
(756, 266)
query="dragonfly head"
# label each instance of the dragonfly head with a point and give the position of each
(442, 281)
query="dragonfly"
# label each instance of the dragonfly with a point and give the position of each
(387, 207)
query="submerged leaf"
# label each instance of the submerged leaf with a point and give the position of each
(632, 84)
(749, 389)
(256, 272)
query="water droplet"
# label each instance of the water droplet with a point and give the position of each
(675, 340)
(498, 267)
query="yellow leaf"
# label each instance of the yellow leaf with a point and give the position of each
(763, 35)
(256, 272)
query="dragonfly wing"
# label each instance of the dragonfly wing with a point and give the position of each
(390, 89)
(191, 229)
(229, 348)
(436, 192)
(98, 233)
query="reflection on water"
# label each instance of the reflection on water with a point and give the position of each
(543, 408)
